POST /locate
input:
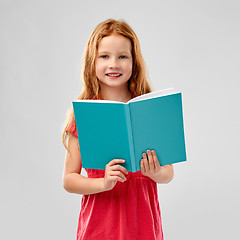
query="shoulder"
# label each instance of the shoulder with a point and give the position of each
(71, 128)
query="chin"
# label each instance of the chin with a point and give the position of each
(115, 85)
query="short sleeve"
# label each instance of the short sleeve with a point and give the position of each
(72, 128)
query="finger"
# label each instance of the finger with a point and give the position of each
(117, 178)
(142, 167)
(117, 173)
(150, 161)
(145, 162)
(115, 161)
(120, 168)
(155, 159)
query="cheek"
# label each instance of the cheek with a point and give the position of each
(128, 68)
(98, 68)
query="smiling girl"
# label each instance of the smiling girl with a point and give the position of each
(116, 204)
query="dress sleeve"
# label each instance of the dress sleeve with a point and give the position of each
(72, 128)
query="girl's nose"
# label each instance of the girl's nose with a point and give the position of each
(113, 63)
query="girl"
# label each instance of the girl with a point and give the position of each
(116, 204)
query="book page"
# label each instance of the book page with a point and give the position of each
(97, 101)
(153, 94)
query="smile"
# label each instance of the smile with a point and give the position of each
(114, 74)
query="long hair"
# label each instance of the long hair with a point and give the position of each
(137, 84)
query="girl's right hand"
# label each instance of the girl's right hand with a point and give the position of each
(113, 173)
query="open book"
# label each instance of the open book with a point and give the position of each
(110, 130)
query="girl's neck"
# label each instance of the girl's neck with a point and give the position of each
(114, 94)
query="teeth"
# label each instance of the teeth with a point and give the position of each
(114, 75)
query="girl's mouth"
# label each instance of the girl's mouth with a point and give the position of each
(113, 75)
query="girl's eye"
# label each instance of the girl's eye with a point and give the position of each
(123, 57)
(104, 56)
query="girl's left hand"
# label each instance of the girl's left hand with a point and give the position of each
(151, 168)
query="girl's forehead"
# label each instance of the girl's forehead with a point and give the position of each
(115, 42)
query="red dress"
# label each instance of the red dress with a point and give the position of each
(130, 211)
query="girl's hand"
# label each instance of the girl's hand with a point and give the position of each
(151, 168)
(113, 173)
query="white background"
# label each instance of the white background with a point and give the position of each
(192, 46)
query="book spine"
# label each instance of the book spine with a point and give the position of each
(130, 137)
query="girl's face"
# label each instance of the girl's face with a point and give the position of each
(114, 61)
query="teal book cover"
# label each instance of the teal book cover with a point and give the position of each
(110, 130)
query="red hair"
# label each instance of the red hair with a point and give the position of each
(137, 84)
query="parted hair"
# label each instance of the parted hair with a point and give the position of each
(137, 84)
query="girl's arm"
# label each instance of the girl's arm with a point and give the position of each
(74, 182)
(150, 167)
